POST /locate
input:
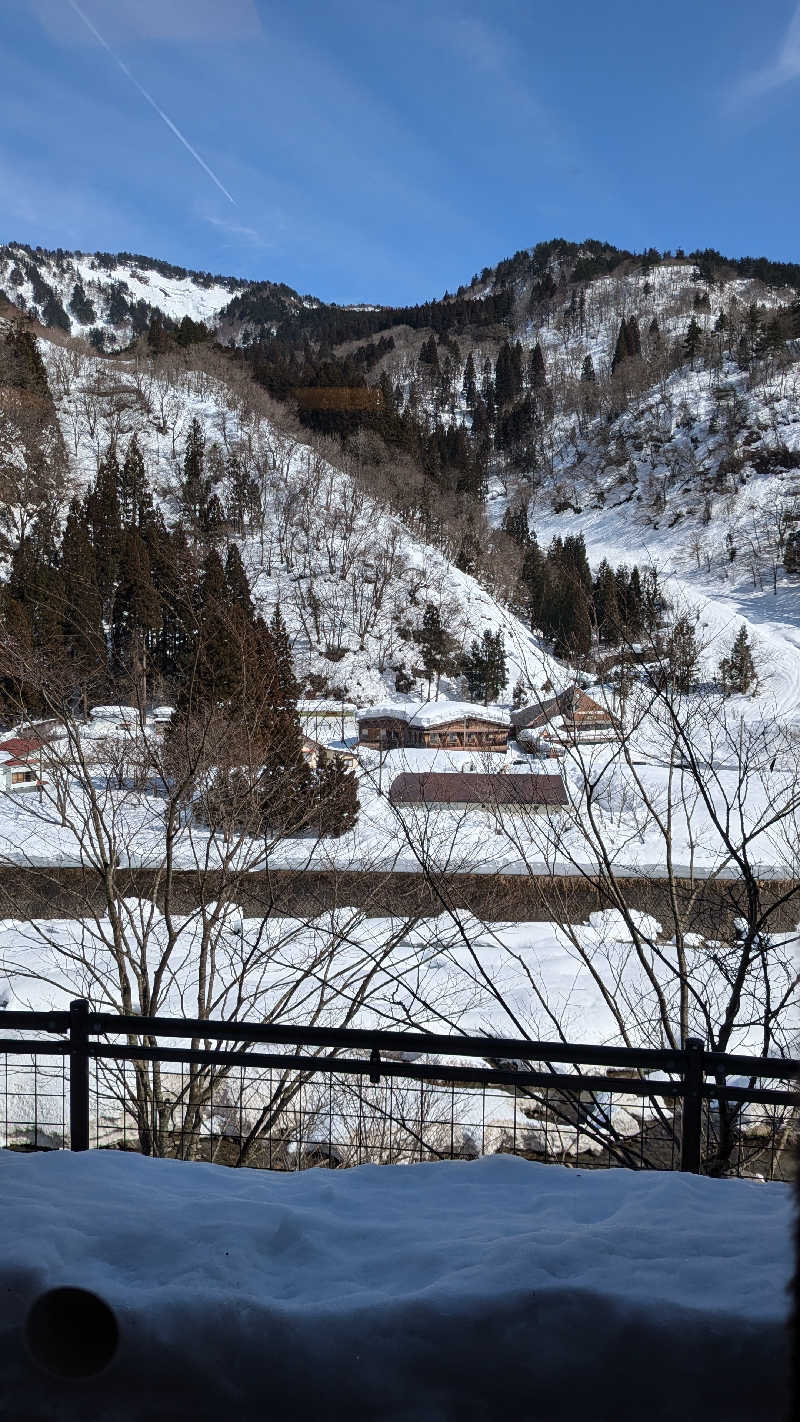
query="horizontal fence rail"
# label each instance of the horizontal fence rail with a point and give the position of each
(326, 1095)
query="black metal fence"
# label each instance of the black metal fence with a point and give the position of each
(283, 1096)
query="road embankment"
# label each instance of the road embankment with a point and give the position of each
(707, 906)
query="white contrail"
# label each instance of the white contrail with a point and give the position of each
(151, 101)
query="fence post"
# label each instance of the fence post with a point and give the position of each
(79, 1074)
(692, 1113)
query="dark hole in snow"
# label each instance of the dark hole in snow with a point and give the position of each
(72, 1332)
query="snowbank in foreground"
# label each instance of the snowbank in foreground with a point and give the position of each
(458, 1290)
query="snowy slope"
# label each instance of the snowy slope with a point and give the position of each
(706, 504)
(351, 581)
(29, 279)
(406, 1294)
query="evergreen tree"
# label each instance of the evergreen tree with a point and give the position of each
(286, 781)
(80, 305)
(34, 585)
(214, 658)
(738, 670)
(237, 587)
(508, 374)
(629, 343)
(791, 553)
(287, 687)
(570, 619)
(24, 368)
(587, 371)
(634, 604)
(244, 497)
(607, 606)
(692, 339)
(495, 668)
(135, 499)
(212, 516)
(136, 615)
(195, 491)
(473, 669)
(515, 523)
(571, 556)
(621, 351)
(174, 571)
(469, 384)
(435, 645)
(681, 655)
(84, 637)
(337, 795)
(157, 336)
(102, 512)
(534, 583)
(538, 372)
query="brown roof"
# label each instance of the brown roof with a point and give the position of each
(21, 746)
(573, 702)
(440, 788)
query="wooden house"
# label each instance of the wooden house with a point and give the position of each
(567, 718)
(21, 763)
(434, 725)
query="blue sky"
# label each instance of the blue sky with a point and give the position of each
(386, 150)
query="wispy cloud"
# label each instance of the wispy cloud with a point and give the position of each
(240, 230)
(503, 86)
(784, 68)
(151, 101)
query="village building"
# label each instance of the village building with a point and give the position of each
(21, 763)
(568, 718)
(462, 725)
(544, 794)
(121, 718)
(313, 751)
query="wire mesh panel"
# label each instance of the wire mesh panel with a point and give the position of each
(34, 1096)
(277, 1119)
(302, 1108)
(750, 1139)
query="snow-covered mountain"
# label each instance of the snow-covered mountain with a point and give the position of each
(352, 582)
(688, 462)
(116, 295)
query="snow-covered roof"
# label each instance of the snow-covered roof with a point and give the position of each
(114, 713)
(326, 707)
(436, 713)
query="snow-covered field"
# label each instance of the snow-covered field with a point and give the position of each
(482, 840)
(438, 974)
(430, 1293)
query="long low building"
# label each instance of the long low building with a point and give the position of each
(545, 793)
(463, 725)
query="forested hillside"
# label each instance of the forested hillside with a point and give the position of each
(533, 454)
